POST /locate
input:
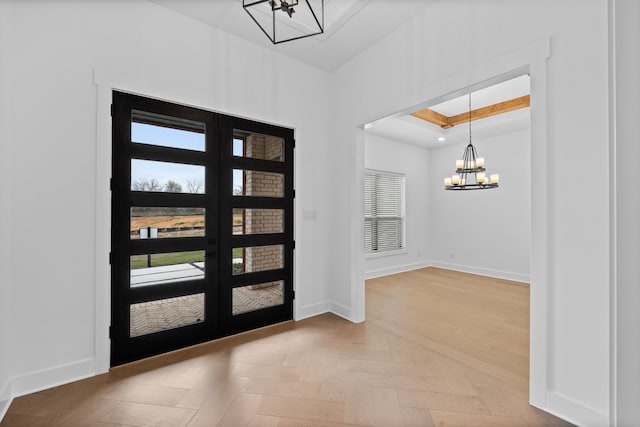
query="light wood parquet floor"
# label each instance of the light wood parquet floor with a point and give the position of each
(439, 348)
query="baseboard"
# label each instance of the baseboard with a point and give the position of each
(52, 377)
(340, 310)
(316, 309)
(5, 399)
(396, 269)
(574, 412)
(4, 407)
(311, 310)
(506, 275)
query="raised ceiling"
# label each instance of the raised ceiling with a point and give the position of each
(350, 26)
(408, 128)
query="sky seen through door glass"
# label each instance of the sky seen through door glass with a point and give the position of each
(189, 179)
(171, 177)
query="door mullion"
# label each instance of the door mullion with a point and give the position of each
(149, 246)
(169, 290)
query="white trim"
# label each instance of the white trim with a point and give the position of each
(299, 311)
(613, 215)
(382, 254)
(106, 81)
(102, 343)
(372, 274)
(356, 279)
(384, 172)
(531, 58)
(541, 249)
(579, 414)
(6, 397)
(52, 377)
(481, 271)
(340, 310)
(310, 310)
(4, 407)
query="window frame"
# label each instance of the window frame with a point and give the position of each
(374, 218)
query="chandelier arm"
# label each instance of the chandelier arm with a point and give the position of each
(313, 13)
(274, 25)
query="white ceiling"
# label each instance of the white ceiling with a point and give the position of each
(504, 91)
(350, 26)
(406, 128)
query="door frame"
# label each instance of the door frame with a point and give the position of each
(106, 80)
(531, 59)
(219, 282)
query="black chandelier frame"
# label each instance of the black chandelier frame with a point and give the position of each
(470, 158)
(470, 168)
(288, 7)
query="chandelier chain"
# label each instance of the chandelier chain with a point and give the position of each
(469, 118)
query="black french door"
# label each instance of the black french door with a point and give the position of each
(202, 226)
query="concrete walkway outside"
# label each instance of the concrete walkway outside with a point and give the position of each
(160, 315)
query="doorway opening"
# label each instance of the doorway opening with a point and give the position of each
(465, 231)
(483, 232)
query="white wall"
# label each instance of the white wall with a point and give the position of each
(5, 196)
(57, 45)
(412, 161)
(56, 152)
(627, 128)
(482, 232)
(442, 44)
(485, 232)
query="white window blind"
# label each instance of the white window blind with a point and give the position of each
(383, 211)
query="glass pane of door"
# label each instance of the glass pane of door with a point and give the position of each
(165, 314)
(257, 183)
(258, 146)
(170, 267)
(258, 221)
(166, 131)
(258, 296)
(169, 177)
(166, 222)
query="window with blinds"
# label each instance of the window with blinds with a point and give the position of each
(383, 211)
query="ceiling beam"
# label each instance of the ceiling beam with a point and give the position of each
(433, 117)
(492, 110)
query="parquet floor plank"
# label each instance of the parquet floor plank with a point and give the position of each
(438, 348)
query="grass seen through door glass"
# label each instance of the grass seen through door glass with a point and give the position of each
(140, 261)
(237, 252)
